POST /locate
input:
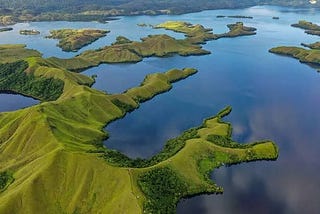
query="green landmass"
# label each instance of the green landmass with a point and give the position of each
(309, 27)
(125, 51)
(75, 39)
(4, 29)
(315, 45)
(303, 55)
(12, 53)
(29, 32)
(57, 161)
(197, 34)
(13, 78)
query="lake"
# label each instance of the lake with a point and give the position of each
(273, 97)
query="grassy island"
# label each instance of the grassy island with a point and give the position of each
(315, 45)
(73, 40)
(309, 27)
(4, 29)
(124, 51)
(197, 34)
(53, 160)
(29, 32)
(310, 56)
(303, 55)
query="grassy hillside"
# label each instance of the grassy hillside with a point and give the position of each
(53, 161)
(12, 53)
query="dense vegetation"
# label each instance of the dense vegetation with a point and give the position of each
(131, 6)
(163, 188)
(123, 50)
(75, 39)
(100, 10)
(13, 78)
(5, 180)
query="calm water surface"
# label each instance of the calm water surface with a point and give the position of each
(272, 97)
(12, 102)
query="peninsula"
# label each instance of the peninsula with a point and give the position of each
(63, 136)
(75, 39)
(303, 55)
(309, 27)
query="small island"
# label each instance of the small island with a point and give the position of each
(309, 27)
(75, 39)
(235, 16)
(29, 32)
(197, 34)
(4, 29)
(142, 25)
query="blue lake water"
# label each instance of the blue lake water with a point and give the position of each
(12, 102)
(273, 97)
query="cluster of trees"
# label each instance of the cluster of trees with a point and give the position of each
(163, 188)
(5, 179)
(13, 78)
(170, 149)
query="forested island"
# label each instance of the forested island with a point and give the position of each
(29, 32)
(75, 39)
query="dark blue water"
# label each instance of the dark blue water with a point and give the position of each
(272, 97)
(12, 102)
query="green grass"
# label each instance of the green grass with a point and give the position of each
(49, 148)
